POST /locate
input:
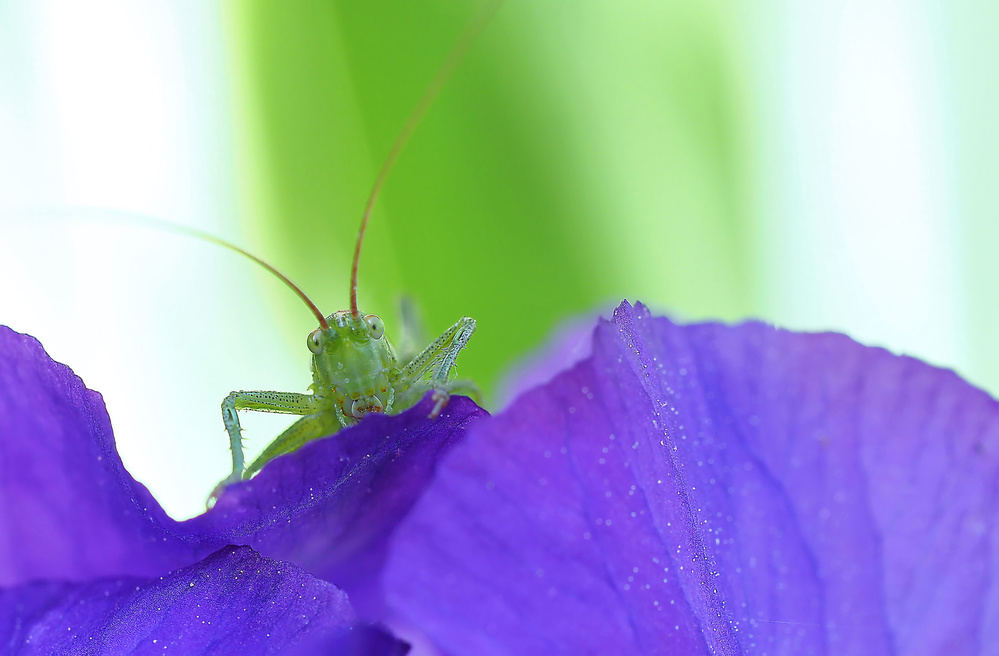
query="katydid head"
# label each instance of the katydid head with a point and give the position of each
(351, 359)
(345, 329)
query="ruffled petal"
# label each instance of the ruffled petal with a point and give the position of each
(715, 490)
(233, 602)
(331, 506)
(69, 510)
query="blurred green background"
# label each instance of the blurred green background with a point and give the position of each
(822, 166)
(580, 154)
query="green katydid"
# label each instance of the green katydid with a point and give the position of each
(355, 369)
(355, 372)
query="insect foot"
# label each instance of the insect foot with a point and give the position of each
(440, 398)
(442, 395)
(217, 492)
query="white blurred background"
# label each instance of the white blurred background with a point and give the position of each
(125, 106)
(870, 125)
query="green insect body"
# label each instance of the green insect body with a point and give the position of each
(355, 372)
(355, 369)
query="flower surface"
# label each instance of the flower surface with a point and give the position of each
(232, 602)
(707, 489)
(71, 515)
(700, 489)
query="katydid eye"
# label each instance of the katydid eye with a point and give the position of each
(375, 325)
(315, 345)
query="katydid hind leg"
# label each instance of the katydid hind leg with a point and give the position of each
(304, 430)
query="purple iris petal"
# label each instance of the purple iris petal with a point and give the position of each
(69, 510)
(710, 489)
(331, 506)
(233, 602)
(699, 489)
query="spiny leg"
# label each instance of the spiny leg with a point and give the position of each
(437, 360)
(291, 403)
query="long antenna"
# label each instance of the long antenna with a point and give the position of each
(465, 41)
(131, 218)
(207, 236)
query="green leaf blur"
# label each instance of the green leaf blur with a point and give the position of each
(581, 153)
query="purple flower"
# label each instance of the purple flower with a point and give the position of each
(679, 490)
(89, 558)
(706, 489)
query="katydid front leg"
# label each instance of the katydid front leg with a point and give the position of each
(316, 420)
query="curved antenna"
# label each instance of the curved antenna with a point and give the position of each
(465, 41)
(130, 218)
(207, 236)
